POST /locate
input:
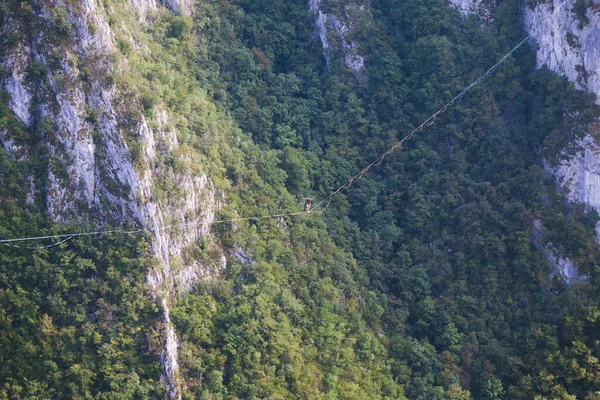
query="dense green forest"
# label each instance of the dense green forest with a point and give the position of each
(421, 281)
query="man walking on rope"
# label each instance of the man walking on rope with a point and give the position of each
(307, 204)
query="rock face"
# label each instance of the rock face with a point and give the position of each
(92, 174)
(579, 177)
(569, 44)
(20, 97)
(328, 24)
(466, 6)
(482, 8)
(563, 267)
(567, 41)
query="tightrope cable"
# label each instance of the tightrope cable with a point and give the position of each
(69, 236)
(324, 204)
(428, 122)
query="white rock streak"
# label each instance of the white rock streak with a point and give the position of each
(20, 96)
(565, 46)
(168, 356)
(325, 22)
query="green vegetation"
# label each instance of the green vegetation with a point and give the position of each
(580, 8)
(76, 322)
(421, 281)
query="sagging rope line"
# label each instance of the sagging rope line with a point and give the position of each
(39, 247)
(69, 236)
(325, 201)
(428, 122)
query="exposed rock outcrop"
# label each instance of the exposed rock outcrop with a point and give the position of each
(168, 356)
(184, 7)
(579, 176)
(567, 42)
(328, 23)
(484, 9)
(563, 268)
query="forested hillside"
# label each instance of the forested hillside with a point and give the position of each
(427, 279)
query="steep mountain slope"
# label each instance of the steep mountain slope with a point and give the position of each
(105, 122)
(567, 41)
(71, 70)
(429, 278)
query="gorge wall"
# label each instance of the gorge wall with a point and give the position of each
(566, 38)
(114, 153)
(568, 42)
(67, 74)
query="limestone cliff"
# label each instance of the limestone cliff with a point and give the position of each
(566, 37)
(67, 76)
(568, 42)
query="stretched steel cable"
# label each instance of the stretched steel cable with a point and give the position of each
(428, 122)
(38, 247)
(326, 201)
(69, 236)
